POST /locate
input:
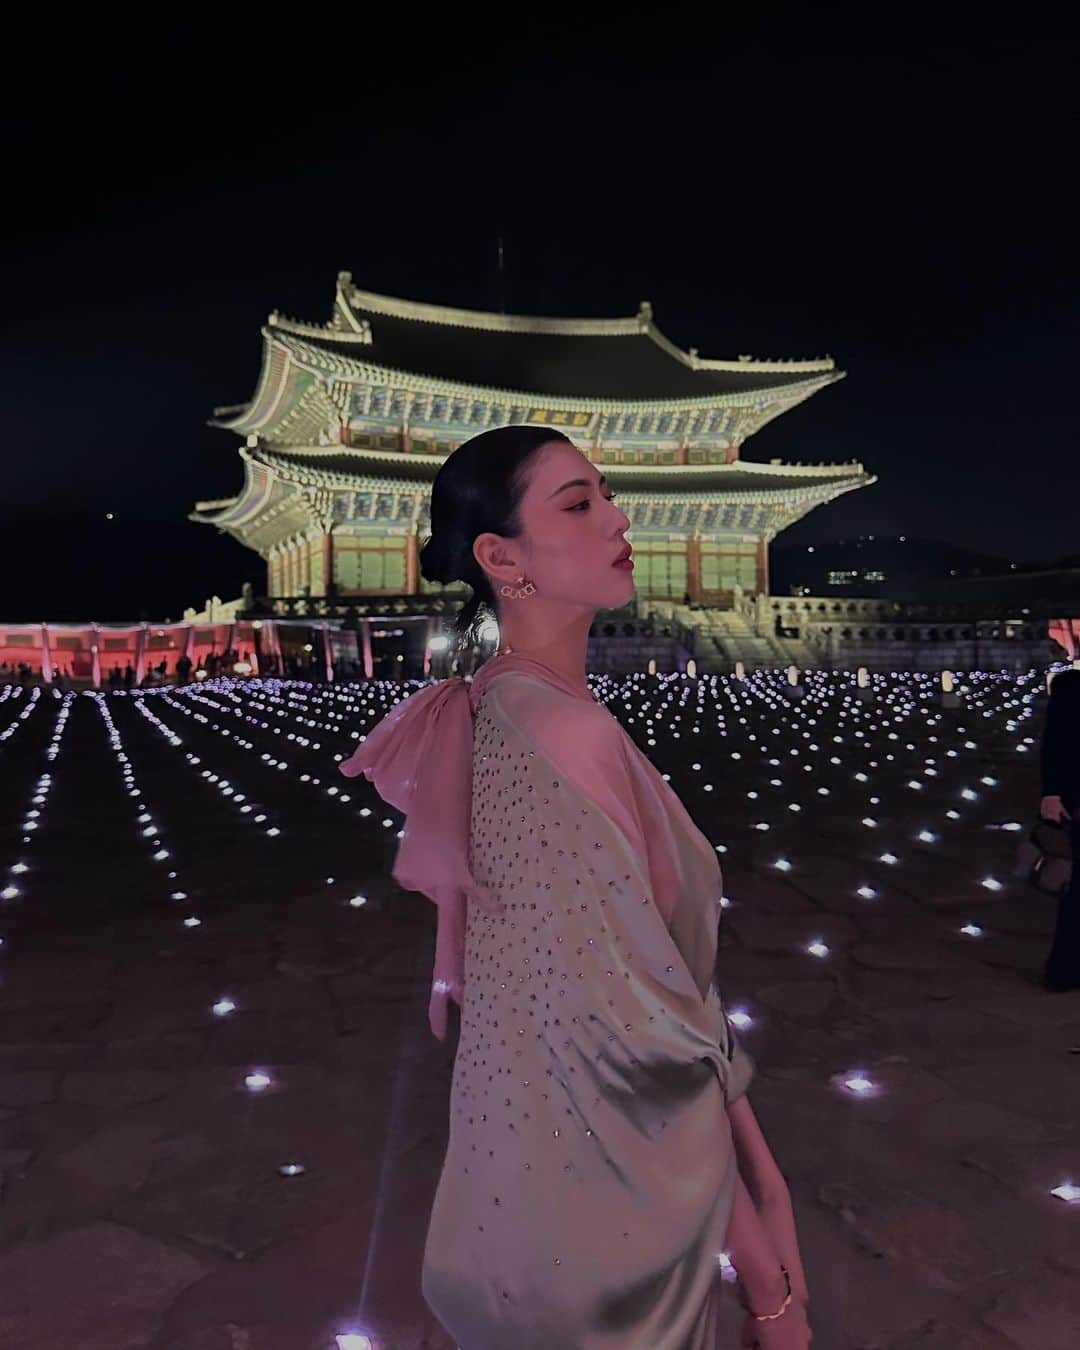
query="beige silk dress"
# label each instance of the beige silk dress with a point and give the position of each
(589, 1176)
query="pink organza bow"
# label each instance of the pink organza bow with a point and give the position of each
(419, 757)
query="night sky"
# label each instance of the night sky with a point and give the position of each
(907, 208)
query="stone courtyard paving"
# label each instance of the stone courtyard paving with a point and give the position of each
(142, 1200)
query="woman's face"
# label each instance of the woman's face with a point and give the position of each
(572, 532)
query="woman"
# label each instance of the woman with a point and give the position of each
(602, 1150)
(1061, 801)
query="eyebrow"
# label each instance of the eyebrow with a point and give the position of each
(578, 482)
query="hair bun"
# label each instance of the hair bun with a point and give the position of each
(439, 560)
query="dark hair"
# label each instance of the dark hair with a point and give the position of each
(477, 490)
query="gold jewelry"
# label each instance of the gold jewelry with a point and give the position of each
(771, 1317)
(512, 594)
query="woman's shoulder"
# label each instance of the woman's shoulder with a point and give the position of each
(537, 705)
(525, 684)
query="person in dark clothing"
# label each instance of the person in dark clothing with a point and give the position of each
(1060, 759)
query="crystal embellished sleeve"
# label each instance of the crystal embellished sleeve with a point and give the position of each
(589, 966)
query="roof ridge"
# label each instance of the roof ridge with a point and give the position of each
(349, 297)
(422, 311)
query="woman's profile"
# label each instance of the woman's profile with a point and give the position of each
(602, 1149)
(1060, 762)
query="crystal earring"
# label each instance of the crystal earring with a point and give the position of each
(511, 594)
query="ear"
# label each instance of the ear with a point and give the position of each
(496, 559)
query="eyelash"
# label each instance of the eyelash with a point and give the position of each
(610, 498)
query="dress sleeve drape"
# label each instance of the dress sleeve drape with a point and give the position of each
(633, 875)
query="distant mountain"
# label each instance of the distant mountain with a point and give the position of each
(894, 567)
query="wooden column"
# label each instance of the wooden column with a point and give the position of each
(46, 655)
(328, 561)
(412, 563)
(763, 567)
(328, 654)
(693, 568)
(141, 640)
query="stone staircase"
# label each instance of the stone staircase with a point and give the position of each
(726, 636)
(739, 637)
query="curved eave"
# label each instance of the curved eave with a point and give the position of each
(213, 513)
(285, 354)
(272, 393)
(804, 502)
(774, 482)
(252, 499)
(423, 468)
(355, 369)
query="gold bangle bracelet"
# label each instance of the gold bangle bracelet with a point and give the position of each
(771, 1317)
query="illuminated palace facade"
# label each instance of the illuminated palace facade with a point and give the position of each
(351, 420)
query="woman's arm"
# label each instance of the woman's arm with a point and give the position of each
(751, 1252)
(757, 1165)
(768, 1191)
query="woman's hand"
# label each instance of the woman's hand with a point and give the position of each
(1053, 808)
(789, 1332)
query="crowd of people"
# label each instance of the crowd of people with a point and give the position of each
(124, 677)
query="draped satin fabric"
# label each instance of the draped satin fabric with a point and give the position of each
(589, 1176)
(419, 758)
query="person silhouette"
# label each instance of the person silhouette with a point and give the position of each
(1060, 763)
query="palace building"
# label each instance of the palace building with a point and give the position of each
(351, 420)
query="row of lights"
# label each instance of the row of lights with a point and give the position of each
(144, 819)
(32, 820)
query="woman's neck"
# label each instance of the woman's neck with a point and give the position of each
(562, 647)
